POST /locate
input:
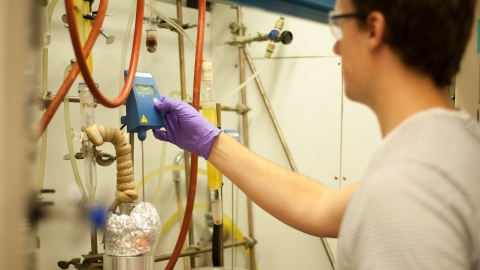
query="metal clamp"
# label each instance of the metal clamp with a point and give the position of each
(102, 158)
(196, 248)
(162, 24)
(44, 100)
(242, 109)
(235, 27)
(249, 242)
(105, 159)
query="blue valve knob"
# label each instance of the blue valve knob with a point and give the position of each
(273, 34)
(98, 215)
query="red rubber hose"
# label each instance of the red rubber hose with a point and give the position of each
(63, 90)
(202, 8)
(82, 61)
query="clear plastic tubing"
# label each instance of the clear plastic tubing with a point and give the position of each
(210, 112)
(123, 59)
(87, 116)
(245, 83)
(152, 30)
(48, 11)
(46, 27)
(171, 22)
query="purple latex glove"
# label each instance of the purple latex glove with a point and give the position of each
(185, 127)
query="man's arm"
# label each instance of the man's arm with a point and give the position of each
(296, 200)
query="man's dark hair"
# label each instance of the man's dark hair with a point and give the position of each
(429, 36)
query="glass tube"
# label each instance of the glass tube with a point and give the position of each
(152, 30)
(210, 113)
(87, 116)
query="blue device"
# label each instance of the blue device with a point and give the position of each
(141, 114)
(233, 133)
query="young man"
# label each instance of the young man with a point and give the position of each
(418, 205)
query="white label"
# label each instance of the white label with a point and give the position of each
(144, 74)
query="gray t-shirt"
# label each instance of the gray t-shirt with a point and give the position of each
(417, 206)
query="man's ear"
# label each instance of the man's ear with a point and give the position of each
(376, 26)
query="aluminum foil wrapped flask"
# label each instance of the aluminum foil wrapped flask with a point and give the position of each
(132, 235)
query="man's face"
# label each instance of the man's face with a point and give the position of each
(352, 49)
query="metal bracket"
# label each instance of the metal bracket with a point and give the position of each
(249, 242)
(44, 100)
(89, 262)
(162, 24)
(242, 109)
(235, 27)
(105, 159)
(194, 248)
(102, 158)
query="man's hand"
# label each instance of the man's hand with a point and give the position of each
(185, 127)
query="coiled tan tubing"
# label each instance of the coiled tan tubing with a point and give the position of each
(125, 184)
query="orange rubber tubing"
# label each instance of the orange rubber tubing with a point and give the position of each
(63, 90)
(82, 61)
(202, 7)
(97, 25)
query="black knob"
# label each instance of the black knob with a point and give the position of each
(63, 264)
(287, 37)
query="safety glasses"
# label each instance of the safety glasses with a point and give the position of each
(335, 22)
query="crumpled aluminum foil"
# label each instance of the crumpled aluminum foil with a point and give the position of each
(132, 235)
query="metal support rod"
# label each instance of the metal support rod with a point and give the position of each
(195, 252)
(245, 41)
(191, 252)
(266, 100)
(132, 144)
(228, 109)
(246, 141)
(177, 179)
(73, 99)
(93, 239)
(218, 107)
(181, 51)
(143, 173)
(191, 235)
(183, 89)
(221, 240)
(282, 138)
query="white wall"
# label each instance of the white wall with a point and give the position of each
(304, 83)
(468, 86)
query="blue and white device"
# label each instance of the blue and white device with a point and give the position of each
(141, 114)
